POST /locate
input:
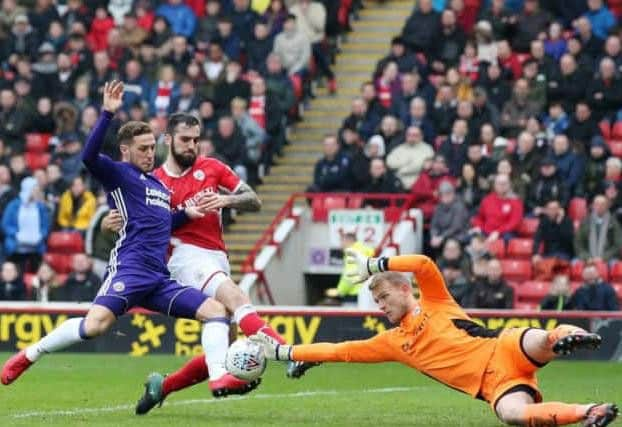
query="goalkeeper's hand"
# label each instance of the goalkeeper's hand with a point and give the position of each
(361, 266)
(271, 347)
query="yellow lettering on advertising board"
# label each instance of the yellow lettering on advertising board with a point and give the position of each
(517, 322)
(27, 329)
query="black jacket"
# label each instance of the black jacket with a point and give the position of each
(556, 238)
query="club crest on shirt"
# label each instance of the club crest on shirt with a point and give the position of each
(118, 286)
(199, 175)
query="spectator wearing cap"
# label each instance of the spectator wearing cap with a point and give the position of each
(493, 292)
(604, 92)
(570, 166)
(76, 207)
(600, 17)
(454, 148)
(26, 224)
(547, 186)
(407, 159)
(518, 109)
(450, 217)
(259, 47)
(181, 18)
(46, 70)
(293, 47)
(425, 189)
(332, 171)
(595, 293)
(599, 237)
(406, 61)
(500, 212)
(583, 126)
(421, 28)
(595, 166)
(381, 180)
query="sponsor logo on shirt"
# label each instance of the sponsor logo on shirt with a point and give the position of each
(118, 286)
(199, 175)
(155, 197)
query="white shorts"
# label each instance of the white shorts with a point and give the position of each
(203, 269)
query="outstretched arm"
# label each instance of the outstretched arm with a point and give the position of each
(373, 350)
(243, 199)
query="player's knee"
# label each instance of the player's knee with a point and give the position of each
(210, 309)
(96, 324)
(231, 295)
(511, 413)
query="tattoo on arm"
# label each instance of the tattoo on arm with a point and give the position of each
(245, 199)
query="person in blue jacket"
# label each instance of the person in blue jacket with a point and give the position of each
(26, 225)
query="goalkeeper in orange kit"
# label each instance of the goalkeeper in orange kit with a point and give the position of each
(435, 336)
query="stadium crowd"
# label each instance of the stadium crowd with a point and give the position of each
(244, 67)
(503, 122)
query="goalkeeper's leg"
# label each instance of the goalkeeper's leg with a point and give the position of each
(543, 346)
(518, 408)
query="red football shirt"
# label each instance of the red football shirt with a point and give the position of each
(206, 175)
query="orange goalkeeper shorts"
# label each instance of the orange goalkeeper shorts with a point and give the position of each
(510, 369)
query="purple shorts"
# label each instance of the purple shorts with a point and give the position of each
(156, 292)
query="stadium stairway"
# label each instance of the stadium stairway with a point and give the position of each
(366, 44)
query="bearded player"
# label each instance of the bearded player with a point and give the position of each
(199, 259)
(436, 337)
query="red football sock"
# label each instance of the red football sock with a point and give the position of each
(252, 323)
(194, 371)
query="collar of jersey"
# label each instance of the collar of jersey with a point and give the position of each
(173, 175)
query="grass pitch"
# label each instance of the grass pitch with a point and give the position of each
(101, 390)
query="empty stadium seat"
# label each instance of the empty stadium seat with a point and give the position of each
(37, 142)
(615, 272)
(520, 248)
(577, 270)
(605, 129)
(497, 248)
(615, 146)
(616, 130)
(322, 205)
(518, 270)
(532, 291)
(577, 209)
(67, 242)
(528, 227)
(61, 263)
(355, 202)
(36, 161)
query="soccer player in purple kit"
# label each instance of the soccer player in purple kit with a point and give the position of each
(137, 273)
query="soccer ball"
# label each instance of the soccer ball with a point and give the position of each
(245, 360)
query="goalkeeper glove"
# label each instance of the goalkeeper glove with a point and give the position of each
(363, 267)
(272, 348)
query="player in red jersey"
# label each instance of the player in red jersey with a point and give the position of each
(199, 259)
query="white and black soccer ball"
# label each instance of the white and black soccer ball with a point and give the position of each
(245, 360)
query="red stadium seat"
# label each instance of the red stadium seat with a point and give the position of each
(532, 291)
(322, 205)
(605, 129)
(616, 130)
(518, 270)
(28, 280)
(66, 242)
(577, 270)
(577, 209)
(529, 306)
(61, 263)
(36, 161)
(334, 203)
(574, 286)
(528, 227)
(615, 272)
(392, 214)
(497, 248)
(520, 249)
(615, 146)
(37, 142)
(355, 202)
(618, 288)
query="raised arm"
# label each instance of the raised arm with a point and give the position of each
(373, 350)
(97, 164)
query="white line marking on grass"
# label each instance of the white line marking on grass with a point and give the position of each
(118, 408)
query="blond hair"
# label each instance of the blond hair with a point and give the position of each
(394, 278)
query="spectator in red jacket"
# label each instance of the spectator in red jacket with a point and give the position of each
(501, 211)
(425, 188)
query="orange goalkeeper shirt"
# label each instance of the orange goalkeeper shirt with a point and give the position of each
(437, 338)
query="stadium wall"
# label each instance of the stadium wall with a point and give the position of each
(141, 333)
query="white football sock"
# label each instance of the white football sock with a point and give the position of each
(65, 335)
(242, 311)
(215, 341)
